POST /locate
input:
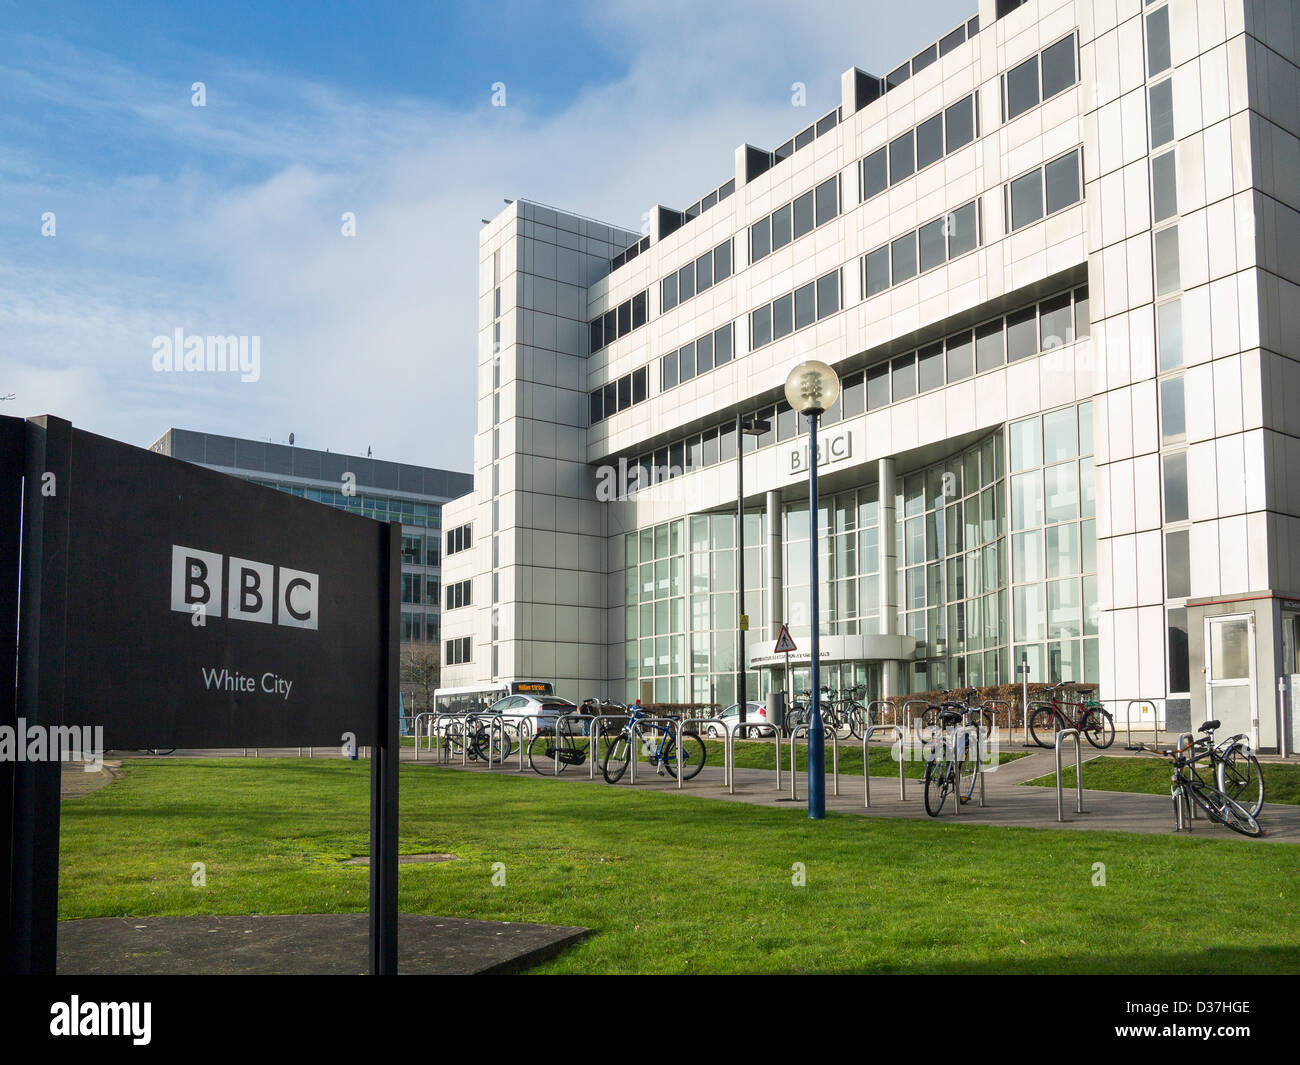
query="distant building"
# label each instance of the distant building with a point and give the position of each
(376, 488)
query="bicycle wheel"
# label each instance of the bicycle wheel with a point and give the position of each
(455, 736)
(1226, 811)
(1044, 724)
(480, 745)
(1098, 728)
(967, 766)
(1239, 777)
(617, 758)
(541, 754)
(938, 782)
(841, 723)
(857, 721)
(691, 756)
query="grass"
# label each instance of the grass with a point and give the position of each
(671, 883)
(1150, 776)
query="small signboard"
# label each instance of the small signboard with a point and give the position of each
(784, 644)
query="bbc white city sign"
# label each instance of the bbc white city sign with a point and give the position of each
(256, 591)
(831, 447)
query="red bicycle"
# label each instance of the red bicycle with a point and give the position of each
(1083, 713)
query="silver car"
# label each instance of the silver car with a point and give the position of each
(729, 720)
(540, 711)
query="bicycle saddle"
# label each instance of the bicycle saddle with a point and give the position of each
(1209, 726)
(950, 717)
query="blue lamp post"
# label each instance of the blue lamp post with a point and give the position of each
(811, 389)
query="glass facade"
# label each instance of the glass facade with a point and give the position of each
(996, 559)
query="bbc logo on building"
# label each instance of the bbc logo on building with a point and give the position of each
(255, 591)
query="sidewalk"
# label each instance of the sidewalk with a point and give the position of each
(1008, 803)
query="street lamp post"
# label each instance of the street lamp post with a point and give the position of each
(811, 388)
(744, 427)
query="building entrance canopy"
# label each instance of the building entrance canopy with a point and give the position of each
(874, 648)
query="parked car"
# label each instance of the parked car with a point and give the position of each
(729, 720)
(541, 711)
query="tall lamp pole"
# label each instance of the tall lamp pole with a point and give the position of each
(812, 388)
(744, 427)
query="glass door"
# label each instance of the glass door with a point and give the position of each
(1230, 673)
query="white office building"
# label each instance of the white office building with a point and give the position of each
(1052, 258)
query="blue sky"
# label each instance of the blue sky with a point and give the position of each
(225, 219)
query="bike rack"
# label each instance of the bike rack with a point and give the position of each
(1191, 806)
(897, 730)
(992, 706)
(1037, 704)
(966, 730)
(911, 720)
(727, 742)
(591, 739)
(887, 705)
(729, 755)
(835, 759)
(1070, 733)
(1128, 723)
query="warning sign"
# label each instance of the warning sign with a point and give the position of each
(784, 645)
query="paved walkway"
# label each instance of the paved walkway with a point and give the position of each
(301, 944)
(1007, 802)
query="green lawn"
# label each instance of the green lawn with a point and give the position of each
(1150, 776)
(673, 883)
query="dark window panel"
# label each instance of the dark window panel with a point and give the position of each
(781, 227)
(727, 443)
(625, 392)
(760, 327)
(1162, 113)
(723, 347)
(875, 173)
(722, 262)
(933, 244)
(929, 141)
(611, 326)
(854, 395)
(929, 367)
(990, 346)
(804, 137)
(1022, 334)
(677, 458)
(902, 373)
(805, 305)
(1062, 182)
(877, 271)
(924, 58)
(959, 124)
(686, 282)
(640, 384)
(704, 354)
(669, 372)
(787, 421)
(611, 398)
(1059, 69)
(1157, 42)
(709, 446)
(1082, 315)
(1055, 322)
(668, 297)
(597, 335)
(898, 75)
(828, 200)
(828, 294)
(952, 41)
(760, 239)
(803, 214)
(963, 231)
(639, 309)
(782, 316)
(704, 271)
(625, 318)
(960, 356)
(902, 255)
(596, 407)
(1026, 200)
(878, 386)
(902, 157)
(1022, 88)
(686, 362)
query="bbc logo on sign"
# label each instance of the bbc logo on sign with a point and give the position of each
(255, 591)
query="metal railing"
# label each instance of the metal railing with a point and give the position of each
(593, 736)
(1069, 733)
(728, 738)
(992, 705)
(866, 761)
(835, 758)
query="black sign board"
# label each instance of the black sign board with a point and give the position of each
(174, 606)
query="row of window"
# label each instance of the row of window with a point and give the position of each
(795, 310)
(1039, 78)
(1042, 326)
(931, 54)
(417, 628)
(629, 253)
(924, 248)
(458, 595)
(458, 539)
(456, 652)
(693, 278)
(711, 200)
(913, 151)
(803, 138)
(1043, 191)
(791, 221)
(628, 315)
(419, 550)
(417, 588)
(628, 390)
(698, 357)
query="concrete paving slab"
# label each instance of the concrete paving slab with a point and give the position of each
(301, 944)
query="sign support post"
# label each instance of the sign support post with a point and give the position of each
(385, 764)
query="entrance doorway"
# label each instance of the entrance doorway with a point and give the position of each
(1230, 672)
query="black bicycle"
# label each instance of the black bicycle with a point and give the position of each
(1187, 787)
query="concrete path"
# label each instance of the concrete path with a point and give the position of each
(300, 944)
(1008, 801)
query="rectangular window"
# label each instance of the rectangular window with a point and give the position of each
(1059, 71)
(878, 387)
(597, 335)
(1178, 571)
(710, 447)
(625, 318)
(1021, 88)
(722, 345)
(961, 356)
(1062, 182)
(1175, 486)
(704, 271)
(804, 214)
(596, 408)
(1173, 417)
(722, 262)
(686, 282)
(639, 309)
(876, 272)
(640, 384)
(903, 258)
(902, 371)
(952, 40)
(625, 392)
(929, 368)
(1022, 334)
(828, 200)
(686, 362)
(781, 227)
(828, 294)
(959, 124)
(611, 399)
(760, 327)
(1179, 670)
(760, 240)
(1164, 187)
(963, 230)
(853, 397)
(704, 354)
(668, 372)
(902, 157)
(1167, 272)
(805, 305)
(1056, 323)
(875, 174)
(782, 316)
(933, 244)
(1082, 317)
(929, 141)
(1169, 334)
(1157, 42)
(1026, 200)
(990, 346)
(1162, 113)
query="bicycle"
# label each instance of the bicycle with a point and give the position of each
(960, 762)
(1186, 787)
(1235, 770)
(1093, 720)
(967, 705)
(801, 714)
(663, 755)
